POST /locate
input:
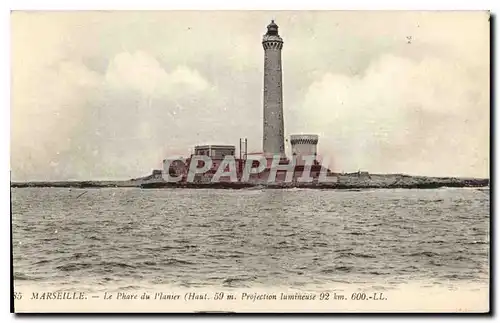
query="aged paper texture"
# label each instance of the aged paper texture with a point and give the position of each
(250, 161)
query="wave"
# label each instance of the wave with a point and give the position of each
(356, 255)
(319, 244)
(345, 269)
(437, 241)
(116, 264)
(377, 273)
(230, 282)
(434, 263)
(460, 257)
(424, 253)
(478, 242)
(164, 248)
(174, 261)
(23, 276)
(41, 262)
(74, 266)
(345, 249)
(458, 277)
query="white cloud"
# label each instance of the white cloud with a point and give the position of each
(402, 115)
(78, 124)
(141, 72)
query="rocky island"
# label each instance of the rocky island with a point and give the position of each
(345, 181)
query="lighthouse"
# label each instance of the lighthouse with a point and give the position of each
(273, 142)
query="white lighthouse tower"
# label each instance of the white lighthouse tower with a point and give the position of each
(304, 145)
(273, 142)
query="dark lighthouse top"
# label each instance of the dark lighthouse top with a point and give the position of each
(272, 29)
(272, 38)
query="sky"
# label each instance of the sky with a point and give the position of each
(109, 94)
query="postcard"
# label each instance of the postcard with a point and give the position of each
(250, 161)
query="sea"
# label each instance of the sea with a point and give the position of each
(125, 239)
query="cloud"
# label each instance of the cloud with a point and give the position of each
(91, 125)
(142, 72)
(402, 115)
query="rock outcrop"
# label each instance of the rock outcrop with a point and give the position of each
(344, 181)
